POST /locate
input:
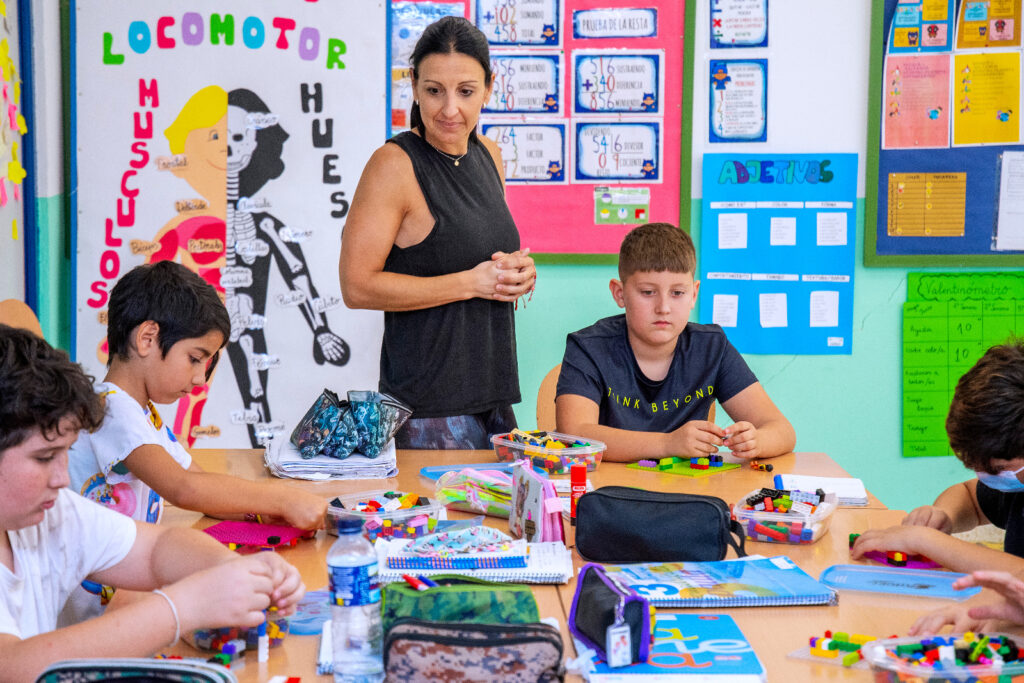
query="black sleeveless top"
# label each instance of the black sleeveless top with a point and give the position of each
(459, 358)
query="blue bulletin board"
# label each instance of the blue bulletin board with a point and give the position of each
(777, 250)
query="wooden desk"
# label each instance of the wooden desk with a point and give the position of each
(773, 633)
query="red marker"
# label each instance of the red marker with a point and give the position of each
(577, 487)
(415, 583)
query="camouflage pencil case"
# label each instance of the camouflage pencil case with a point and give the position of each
(417, 650)
(460, 599)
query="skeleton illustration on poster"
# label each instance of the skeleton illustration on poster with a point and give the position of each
(269, 165)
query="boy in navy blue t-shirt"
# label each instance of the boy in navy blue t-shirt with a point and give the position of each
(643, 382)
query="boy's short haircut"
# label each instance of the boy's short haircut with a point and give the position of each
(986, 417)
(40, 387)
(656, 247)
(184, 305)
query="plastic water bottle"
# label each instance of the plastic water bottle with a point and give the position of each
(355, 606)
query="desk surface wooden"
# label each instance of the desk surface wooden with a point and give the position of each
(772, 632)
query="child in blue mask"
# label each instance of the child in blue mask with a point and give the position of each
(986, 431)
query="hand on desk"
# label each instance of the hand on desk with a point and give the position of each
(905, 539)
(302, 510)
(930, 516)
(979, 617)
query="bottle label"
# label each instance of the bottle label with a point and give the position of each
(354, 585)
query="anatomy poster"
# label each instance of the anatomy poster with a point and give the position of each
(230, 140)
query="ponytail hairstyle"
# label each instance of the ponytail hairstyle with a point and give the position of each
(449, 35)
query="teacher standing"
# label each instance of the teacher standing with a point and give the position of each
(430, 241)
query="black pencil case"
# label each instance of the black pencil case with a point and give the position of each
(623, 524)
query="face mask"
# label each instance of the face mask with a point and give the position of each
(1004, 481)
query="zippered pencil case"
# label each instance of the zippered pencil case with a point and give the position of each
(460, 599)
(611, 618)
(623, 524)
(417, 650)
(135, 669)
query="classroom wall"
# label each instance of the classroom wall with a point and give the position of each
(846, 406)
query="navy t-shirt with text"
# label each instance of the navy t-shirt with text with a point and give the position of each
(599, 364)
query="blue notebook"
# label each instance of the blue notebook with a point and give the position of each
(927, 583)
(692, 647)
(729, 583)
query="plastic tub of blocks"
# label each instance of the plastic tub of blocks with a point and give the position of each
(388, 514)
(955, 657)
(779, 516)
(552, 452)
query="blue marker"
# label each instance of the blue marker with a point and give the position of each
(426, 581)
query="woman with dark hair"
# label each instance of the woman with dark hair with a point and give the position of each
(430, 241)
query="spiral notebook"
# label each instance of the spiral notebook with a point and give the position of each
(764, 582)
(547, 562)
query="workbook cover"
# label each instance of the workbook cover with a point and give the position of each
(691, 647)
(764, 582)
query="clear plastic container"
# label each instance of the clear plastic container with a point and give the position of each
(393, 524)
(888, 667)
(789, 527)
(551, 460)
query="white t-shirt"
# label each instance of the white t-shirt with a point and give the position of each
(75, 539)
(96, 460)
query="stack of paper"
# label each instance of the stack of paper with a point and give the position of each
(849, 490)
(283, 460)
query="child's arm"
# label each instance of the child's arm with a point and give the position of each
(578, 415)
(952, 553)
(228, 591)
(222, 495)
(956, 509)
(989, 617)
(760, 430)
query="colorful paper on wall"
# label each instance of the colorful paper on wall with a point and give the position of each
(777, 250)
(927, 204)
(739, 100)
(949, 321)
(916, 105)
(739, 23)
(986, 98)
(921, 26)
(988, 23)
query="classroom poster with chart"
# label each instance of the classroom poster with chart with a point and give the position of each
(230, 140)
(587, 112)
(949, 321)
(944, 129)
(776, 250)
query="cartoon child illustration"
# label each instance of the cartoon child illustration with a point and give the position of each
(647, 103)
(195, 237)
(1004, 116)
(648, 169)
(719, 77)
(934, 113)
(555, 171)
(255, 238)
(933, 31)
(549, 35)
(912, 38)
(550, 103)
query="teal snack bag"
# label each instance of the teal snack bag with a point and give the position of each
(460, 599)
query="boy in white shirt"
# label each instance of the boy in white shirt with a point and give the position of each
(51, 538)
(165, 328)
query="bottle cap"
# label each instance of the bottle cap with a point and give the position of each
(349, 525)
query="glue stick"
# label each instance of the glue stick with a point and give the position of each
(577, 487)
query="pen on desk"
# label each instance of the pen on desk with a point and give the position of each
(427, 582)
(415, 583)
